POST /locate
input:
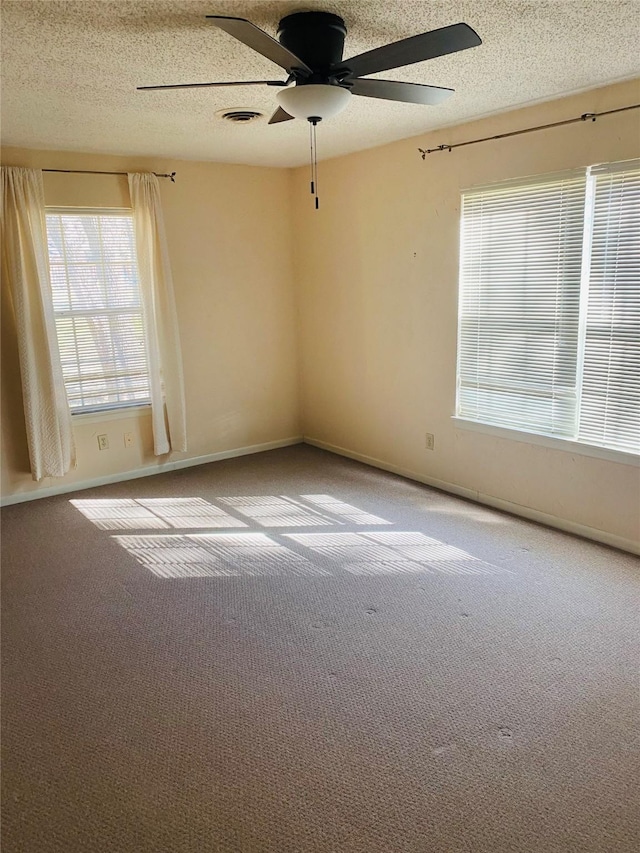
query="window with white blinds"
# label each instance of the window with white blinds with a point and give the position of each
(549, 312)
(609, 413)
(97, 306)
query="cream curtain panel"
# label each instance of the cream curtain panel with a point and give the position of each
(25, 272)
(161, 323)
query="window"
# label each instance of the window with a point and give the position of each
(549, 318)
(97, 307)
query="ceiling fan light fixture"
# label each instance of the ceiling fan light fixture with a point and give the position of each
(314, 100)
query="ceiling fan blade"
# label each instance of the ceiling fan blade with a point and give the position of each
(409, 93)
(254, 37)
(413, 49)
(280, 115)
(208, 85)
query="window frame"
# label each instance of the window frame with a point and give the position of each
(110, 411)
(568, 444)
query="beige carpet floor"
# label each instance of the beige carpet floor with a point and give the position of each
(294, 653)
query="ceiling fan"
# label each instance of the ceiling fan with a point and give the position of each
(309, 48)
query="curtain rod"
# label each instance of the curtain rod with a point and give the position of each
(583, 117)
(171, 175)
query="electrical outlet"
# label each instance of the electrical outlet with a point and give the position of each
(128, 439)
(103, 442)
(429, 441)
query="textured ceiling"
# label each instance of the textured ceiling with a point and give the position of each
(70, 71)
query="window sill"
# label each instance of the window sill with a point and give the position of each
(124, 413)
(620, 456)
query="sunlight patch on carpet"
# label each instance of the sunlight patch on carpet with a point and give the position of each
(391, 553)
(118, 514)
(190, 512)
(154, 513)
(350, 514)
(277, 511)
(216, 555)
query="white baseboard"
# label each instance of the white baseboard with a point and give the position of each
(527, 512)
(147, 471)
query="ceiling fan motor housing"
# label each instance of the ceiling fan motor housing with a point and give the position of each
(316, 37)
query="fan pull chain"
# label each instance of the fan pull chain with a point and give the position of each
(313, 185)
(314, 160)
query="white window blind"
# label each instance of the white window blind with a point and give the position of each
(549, 320)
(96, 299)
(610, 399)
(521, 260)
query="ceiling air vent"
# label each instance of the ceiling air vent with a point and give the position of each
(239, 116)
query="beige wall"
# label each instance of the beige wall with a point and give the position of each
(229, 236)
(377, 267)
(371, 323)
